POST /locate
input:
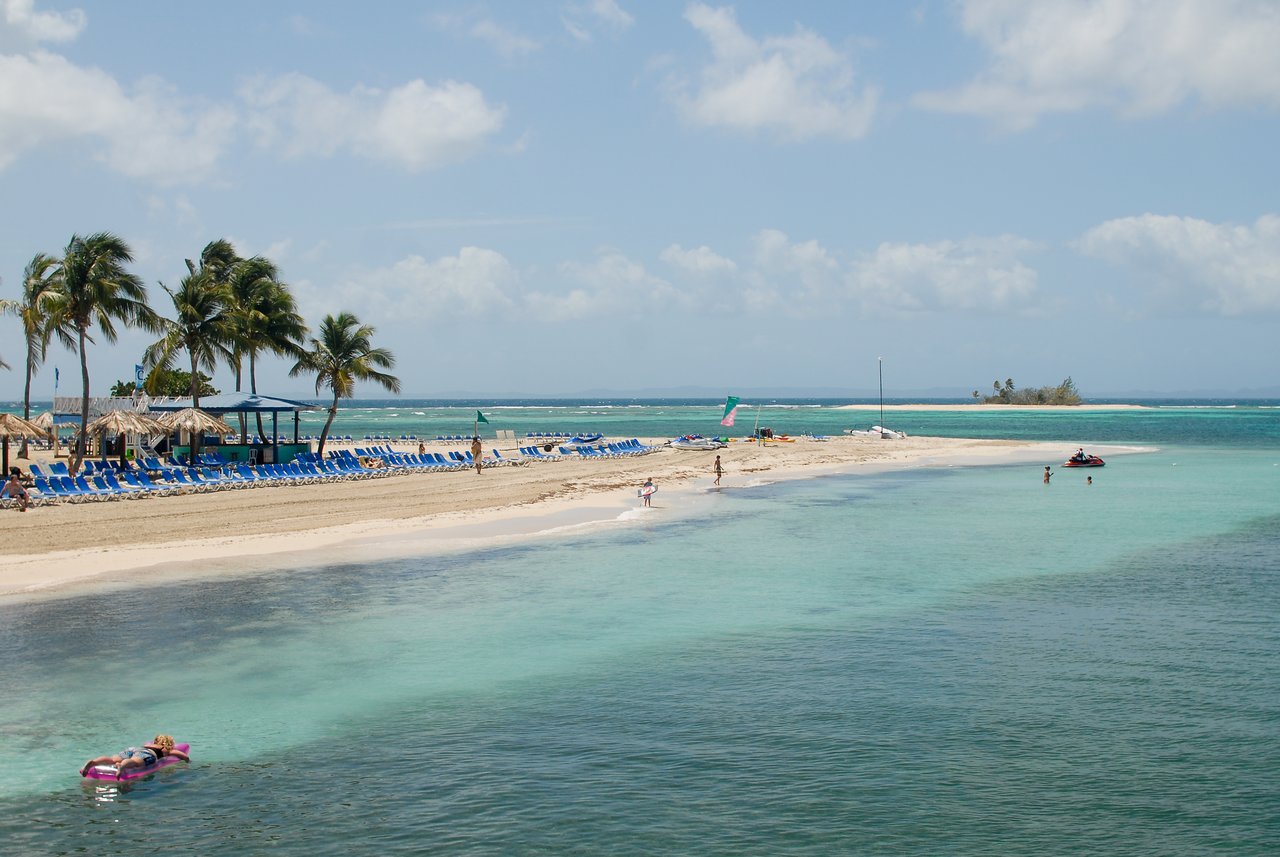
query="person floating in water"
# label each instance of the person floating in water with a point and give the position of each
(138, 757)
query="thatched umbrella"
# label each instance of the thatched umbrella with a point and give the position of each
(125, 422)
(194, 420)
(14, 426)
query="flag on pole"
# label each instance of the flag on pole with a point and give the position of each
(480, 418)
(138, 376)
(730, 411)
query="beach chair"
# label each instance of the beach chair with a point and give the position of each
(112, 483)
(88, 490)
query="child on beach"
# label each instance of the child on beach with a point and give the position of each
(138, 757)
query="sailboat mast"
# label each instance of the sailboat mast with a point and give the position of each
(881, 362)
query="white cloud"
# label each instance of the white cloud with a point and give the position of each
(699, 261)
(581, 20)
(507, 43)
(24, 28)
(612, 282)
(1192, 264)
(476, 282)
(415, 125)
(1136, 57)
(947, 276)
(149, 133)
(797, 86)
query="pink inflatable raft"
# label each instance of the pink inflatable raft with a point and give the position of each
(108, 772)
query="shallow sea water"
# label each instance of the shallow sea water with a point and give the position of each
(958, 661)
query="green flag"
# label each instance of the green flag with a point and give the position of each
(480, 418)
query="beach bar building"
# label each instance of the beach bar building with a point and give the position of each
(272, 449)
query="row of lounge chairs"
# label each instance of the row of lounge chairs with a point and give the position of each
(209, 471)
(625, 449)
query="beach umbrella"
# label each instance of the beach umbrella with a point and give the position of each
(194, 420)
(120, 422)
(44, 421)
(13, 426)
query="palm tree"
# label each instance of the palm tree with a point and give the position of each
(202, 327)
(265, 318)
(39, 281)
(341, 355)
(96, 290)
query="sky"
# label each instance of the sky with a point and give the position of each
(555, 198)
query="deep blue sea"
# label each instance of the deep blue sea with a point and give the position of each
(957, 661)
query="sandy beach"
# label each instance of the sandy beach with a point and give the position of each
(71, 546)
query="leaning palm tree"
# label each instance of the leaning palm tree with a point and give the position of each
(341, 355)
(95, 290)
(39, 282)
(265, 317)
(202, 327)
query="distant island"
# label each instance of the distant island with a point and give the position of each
(1007, 394)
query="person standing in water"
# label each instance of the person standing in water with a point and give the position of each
(1047, 474)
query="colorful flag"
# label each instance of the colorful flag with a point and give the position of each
(730, 411)
(480, 418)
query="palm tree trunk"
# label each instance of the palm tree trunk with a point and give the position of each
(26, 406)
(243, 425)
(195, 403)
(253, 388)
(83, 439)
(324, 432)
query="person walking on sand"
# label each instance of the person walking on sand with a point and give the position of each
(719, 469)
(477, 451)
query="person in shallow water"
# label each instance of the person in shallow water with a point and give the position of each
(138, 757)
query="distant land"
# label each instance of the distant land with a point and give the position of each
(845, 394)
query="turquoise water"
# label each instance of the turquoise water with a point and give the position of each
(958, 661)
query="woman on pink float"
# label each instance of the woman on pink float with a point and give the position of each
(145, 756)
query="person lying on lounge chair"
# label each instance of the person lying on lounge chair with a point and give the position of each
(13, 489)
(138, 757)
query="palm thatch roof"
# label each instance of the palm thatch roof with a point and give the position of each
(194, 420)
(125, 422)
(13, 426)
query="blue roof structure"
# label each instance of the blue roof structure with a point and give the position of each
(237, 403)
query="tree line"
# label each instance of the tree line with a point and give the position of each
(225, 309)
(1007, 394)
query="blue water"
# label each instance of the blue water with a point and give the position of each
(958, 661)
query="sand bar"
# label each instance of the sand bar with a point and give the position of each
(70, 547)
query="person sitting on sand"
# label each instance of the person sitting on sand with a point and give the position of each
(138, 757)
(13, 489)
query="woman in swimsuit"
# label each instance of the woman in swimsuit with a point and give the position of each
(138, 757)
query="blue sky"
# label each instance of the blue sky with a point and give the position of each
(546, 198)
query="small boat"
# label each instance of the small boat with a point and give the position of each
(696, 442)
(1083, 461)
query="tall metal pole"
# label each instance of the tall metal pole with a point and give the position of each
(881, 361)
